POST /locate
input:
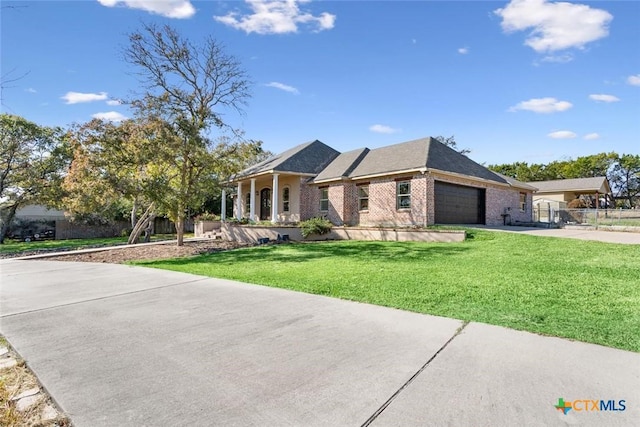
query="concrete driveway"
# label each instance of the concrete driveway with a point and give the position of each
(622, 237)
(128, 346)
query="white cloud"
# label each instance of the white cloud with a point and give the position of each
(542, 105)
(112, 116)
(78, 97)
(170, 8)
(276, 17)
(31, 90)
(383, 129)
(555, 26)
(113, 102)
(562, 134)
(463, 50)
(284, 87)
(560, 59)
(604, 98)
(634, 80)
(591, 136)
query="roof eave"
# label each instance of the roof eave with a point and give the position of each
(269, 172)
(475, 178)
(400, 172)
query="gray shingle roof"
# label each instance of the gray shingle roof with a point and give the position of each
(316, 158)
(515, 183)
(393, 158)
(598, 183)
(421, 153)
(342, 165)
(447, 159)
(308, 158)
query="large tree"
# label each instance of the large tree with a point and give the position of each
(132, 166)
(32, 161)
(112, 171)
(625, 179)
(188, 87)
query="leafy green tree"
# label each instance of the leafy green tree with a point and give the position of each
(32, 162)
(625, 179)
(188, 88)
(112, 171)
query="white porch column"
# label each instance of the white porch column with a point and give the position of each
(239, 201)
(274, 201)
(252, 202)
(223, 208)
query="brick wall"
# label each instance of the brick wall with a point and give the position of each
(343, 202)
(382, 203)
(497, 200)
(309, 200)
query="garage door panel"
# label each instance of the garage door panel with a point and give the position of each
(458, 204)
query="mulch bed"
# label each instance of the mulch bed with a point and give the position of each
(150, 252)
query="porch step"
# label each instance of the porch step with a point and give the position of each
(216, 234)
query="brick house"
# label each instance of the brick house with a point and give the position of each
(415, 183)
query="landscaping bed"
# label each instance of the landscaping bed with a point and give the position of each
(151, 252)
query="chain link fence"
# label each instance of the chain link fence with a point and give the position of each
(545, 212)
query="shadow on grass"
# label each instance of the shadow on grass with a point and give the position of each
(304, 252)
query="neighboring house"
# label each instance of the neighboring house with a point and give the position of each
(38, 213)
(414, 183)
(563, 191)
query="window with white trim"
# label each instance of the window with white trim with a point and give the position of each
(523, 201)
(247, 204)
(403, 195)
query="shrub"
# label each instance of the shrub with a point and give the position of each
(315, 226)
(236, 221)
(207, 216)
(577, 204)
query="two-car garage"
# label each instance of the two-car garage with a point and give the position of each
(459, 204)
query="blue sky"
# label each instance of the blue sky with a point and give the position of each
(525, 80)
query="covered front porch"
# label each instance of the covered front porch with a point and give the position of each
(273, 197)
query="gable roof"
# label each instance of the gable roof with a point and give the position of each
(446, 159)
(306, 159)
(343, 165)
(316, 159)
(419, 154)
(515, 183)
(594, 184)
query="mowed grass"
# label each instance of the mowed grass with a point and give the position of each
(583, 290)
(17, 247)
(11, 246)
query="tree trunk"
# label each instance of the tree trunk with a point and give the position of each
(141, 225)
(134, 213)
(180, 229)
(6, 221)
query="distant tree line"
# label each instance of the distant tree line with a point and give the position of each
(622, 172)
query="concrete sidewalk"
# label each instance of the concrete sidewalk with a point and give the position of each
(127, 346)
(569, 233)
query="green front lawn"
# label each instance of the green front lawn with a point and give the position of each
(11, 246)
(15, 248)
(588, 291)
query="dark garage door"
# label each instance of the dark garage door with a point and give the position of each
(457, 204)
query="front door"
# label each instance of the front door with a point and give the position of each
(265, 204)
